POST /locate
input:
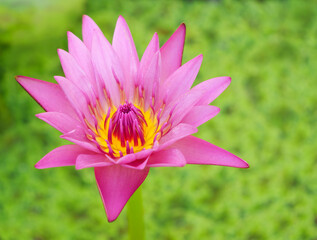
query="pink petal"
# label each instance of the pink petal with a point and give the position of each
(116, 185)
(180, 107)
(78, 136)
(138, 164)
(103, 58)
(62, 156)
(49, 95)
(75, 74)
(82, 56)
(180, 131)
(126, 159)
(124, 47)
(92, 160)
(200, 114)
(151, 81)
(147, 57)
(90, 32)
(211, 89)
(76, 97)
(182, 79)
(172, 52)
(135, 160)
(167, 158)
(89, 29)
(198, 151)
(61, 121)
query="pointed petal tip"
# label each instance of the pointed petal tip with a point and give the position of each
(181, 27)
(227, 81)
(70, 34)
(121, 20)
(240, 163)
(123, 23)
(59, 79)
(111, 219)
(86, 18)
(60, 52)
(37, 166)
(20, 78)
(121, 17)
(245, 164)
(200, 57)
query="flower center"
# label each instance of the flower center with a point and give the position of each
(127, 125)
(125, 129)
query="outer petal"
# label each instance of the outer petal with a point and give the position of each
(172, 52)
(78, 137)
(181, 80)
(200, 114)
(92, 160)
(211, 89)
(124, 46)
(74, 73)
(116, 185)
(61, 121)
(167, 158)
(82, 56)
(76, 97)
(198, 151)
(62, 156)
(49, 95)
(180, 131)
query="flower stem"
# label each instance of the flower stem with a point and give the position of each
(135, 216)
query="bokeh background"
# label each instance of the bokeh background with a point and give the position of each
(268, 118)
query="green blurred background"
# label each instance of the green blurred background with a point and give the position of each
(268, 118)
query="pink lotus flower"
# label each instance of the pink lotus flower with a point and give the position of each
(126, 115)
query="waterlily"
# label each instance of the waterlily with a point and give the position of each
(126, 115)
